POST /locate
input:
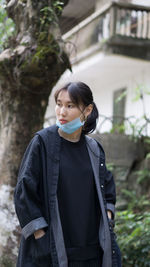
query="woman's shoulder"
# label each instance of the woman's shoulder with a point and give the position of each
(51, 128)
(47, 130)
(49, 137)
(95, 145)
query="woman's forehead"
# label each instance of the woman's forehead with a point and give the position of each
(64, 96)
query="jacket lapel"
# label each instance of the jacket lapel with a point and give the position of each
(55, 216)
(104, 233)
(52, 144)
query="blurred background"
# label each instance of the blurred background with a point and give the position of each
(105, 44)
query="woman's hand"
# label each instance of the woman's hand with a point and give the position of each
(109, 213)
(110, 217)
(39, 233)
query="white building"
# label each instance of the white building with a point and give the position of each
(110, 51)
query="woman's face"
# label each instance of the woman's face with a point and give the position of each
(66, 110)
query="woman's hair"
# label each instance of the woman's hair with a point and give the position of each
(80, 93)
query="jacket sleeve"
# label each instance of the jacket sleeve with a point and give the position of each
(27, 193)
(109, 184)
(110, 192)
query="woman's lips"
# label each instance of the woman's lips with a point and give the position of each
(62, 121)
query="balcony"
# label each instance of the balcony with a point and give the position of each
(125, 26)
(118, 27)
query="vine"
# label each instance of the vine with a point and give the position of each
(46, 41)
(49, 13)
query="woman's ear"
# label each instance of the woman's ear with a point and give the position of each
(88, 110)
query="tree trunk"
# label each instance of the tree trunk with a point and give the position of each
(29, 69)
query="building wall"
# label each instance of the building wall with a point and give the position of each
(100, 3)
(105, 74)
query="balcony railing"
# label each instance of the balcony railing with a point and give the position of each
(115, 23)
(125, 20)
(131, 125)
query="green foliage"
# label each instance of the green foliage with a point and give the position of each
(48, 16)
(58, 6)
(121, 96)
(147, 141)
(5, 261)
(110, 166)
(48, 13)
(137, 127)
(43, 51)
(139, 91)
(141, 123)
(135, 204)
(46, 46)
(148, 156)
(143, 175)
(118, 128)
(7, 26)
(133, 231)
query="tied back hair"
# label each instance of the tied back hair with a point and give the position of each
(81, 94)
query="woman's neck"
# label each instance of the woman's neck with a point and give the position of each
(74, 137)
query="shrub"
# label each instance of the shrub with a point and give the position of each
(133, 236)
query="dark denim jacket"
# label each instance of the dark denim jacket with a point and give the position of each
(37, 205)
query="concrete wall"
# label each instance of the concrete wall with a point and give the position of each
(100, 3)
(125, 157)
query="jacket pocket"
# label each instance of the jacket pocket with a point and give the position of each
(42, 255)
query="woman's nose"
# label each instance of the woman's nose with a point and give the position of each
(63, 111)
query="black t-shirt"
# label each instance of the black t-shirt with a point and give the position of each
(78, 201)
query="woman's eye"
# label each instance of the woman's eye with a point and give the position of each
(58, 104)
(70, 106)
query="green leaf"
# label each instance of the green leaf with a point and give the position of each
(138, 93)
(121, 96)
(147, 140)
(7, 26)
(133, 237)
(148, 156)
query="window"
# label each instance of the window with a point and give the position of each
(119, 99)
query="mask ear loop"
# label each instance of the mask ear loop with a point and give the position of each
(82, 113)
(84, 118)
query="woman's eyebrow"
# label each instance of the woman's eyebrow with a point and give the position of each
(68, 102)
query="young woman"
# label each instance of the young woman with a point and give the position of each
(65, 196)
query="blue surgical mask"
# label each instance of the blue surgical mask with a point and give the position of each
(70, 126)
